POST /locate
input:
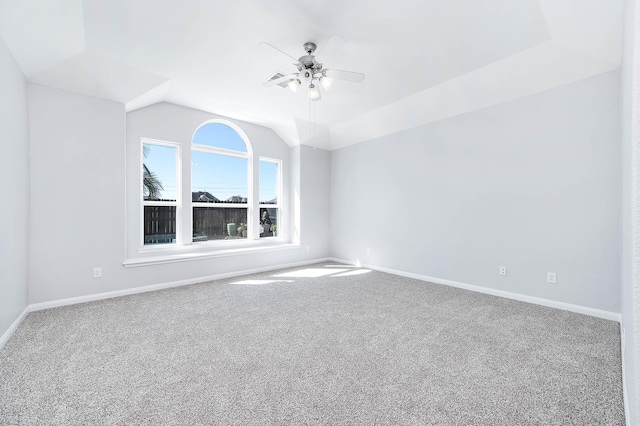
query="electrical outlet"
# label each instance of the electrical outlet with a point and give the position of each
(368, 250)
(308, 248)
(97, 272)
(503, 271)
(552, 278)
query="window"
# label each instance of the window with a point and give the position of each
(160, 189)
(219, 184)
(208, 192)
(269, 197)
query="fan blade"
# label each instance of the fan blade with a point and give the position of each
(270, 48)
(284, 78)
(332, 46)
(356, 77)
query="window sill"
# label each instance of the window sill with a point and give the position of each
(177, 254)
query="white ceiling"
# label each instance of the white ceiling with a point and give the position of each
(424, 60)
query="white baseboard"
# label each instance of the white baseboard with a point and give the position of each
(612, 316)
(7, 335)
(624, 383)
(118, 293)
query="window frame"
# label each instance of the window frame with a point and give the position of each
(177, 203)
(279, 186)
(231, 153)
(183, 249)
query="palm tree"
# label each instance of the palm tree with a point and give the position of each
(152, 186)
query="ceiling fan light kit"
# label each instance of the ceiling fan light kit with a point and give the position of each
(294, 85)
(326, 82)
(310, 71)
(314, 94)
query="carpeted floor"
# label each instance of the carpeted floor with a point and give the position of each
(323, 344)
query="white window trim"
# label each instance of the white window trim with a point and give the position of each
(164, 257)
(231, 153)
(279, 188)
(184, 249)
(176, 203)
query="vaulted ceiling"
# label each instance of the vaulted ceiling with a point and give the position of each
(424, 60)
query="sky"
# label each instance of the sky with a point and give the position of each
(221, 176)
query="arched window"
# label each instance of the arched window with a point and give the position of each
(210, 189)
(221, 183)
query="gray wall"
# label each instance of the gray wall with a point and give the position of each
(630, 279)
(14, 175)
(533, 184)
(80, 205)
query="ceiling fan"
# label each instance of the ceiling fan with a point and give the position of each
(310, 70)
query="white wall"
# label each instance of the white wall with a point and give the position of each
(77, 192)
(14, 175)
(533, 184)
(630, 279)
(310, 199)
(80, 206)
(315, 190)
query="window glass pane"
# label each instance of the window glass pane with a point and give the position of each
(159, 172)
(268, 182)
(159, 225)
(219, 223)
(219, 136)
(218, 178)
(268, 222)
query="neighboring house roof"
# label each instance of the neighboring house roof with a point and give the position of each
(203, 197)
(237, 199)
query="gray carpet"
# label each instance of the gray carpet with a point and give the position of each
(368, 348)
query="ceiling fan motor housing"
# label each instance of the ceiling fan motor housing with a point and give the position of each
(309, 47)
(308, 61)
